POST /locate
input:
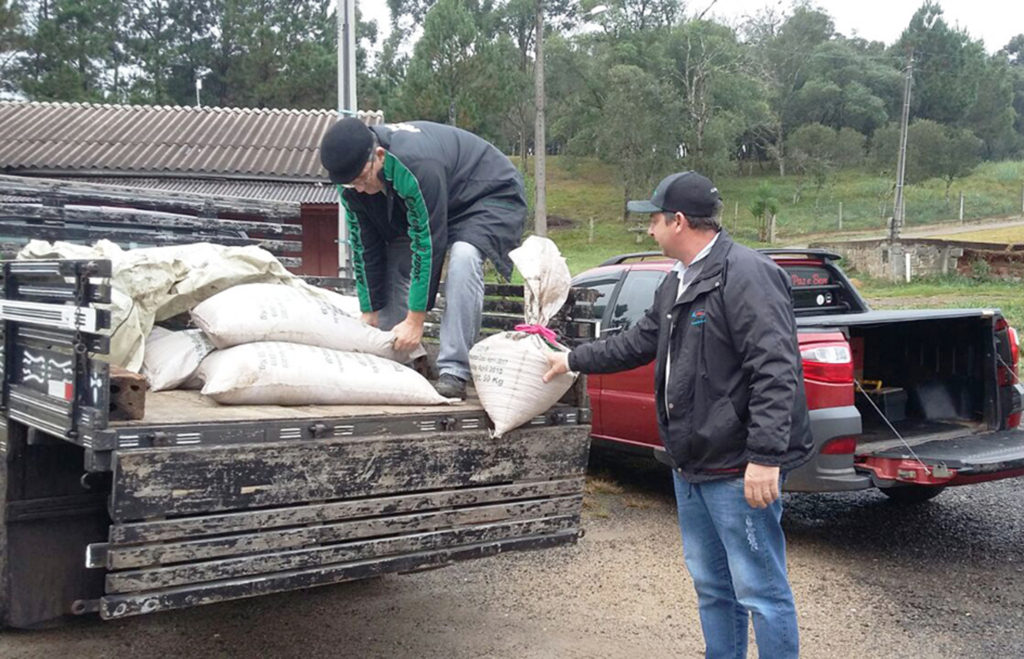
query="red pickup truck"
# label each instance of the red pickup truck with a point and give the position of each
(906, 401)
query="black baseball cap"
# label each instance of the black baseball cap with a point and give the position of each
(345, 148)
(688, 193)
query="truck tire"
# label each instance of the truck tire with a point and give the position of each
(913, 493)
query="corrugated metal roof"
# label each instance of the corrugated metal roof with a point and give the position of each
(306, 193)
(49, 138)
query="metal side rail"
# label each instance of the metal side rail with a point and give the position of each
(51, 330)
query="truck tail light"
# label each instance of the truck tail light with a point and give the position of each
(1008, 374)
(840, 446)
(828, 362)
(1014, 347)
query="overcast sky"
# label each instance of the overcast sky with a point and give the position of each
(994, 21)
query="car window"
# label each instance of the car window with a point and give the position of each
(635, 297)
(604, 285)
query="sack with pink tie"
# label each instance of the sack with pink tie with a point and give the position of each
(508, 367)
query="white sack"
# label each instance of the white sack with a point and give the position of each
(273, 373)
(153, 284)
(508, 367)
(269, 312)
(172, 358)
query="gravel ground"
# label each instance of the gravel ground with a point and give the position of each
(872, 579)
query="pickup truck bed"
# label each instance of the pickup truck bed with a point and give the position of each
(198, 503)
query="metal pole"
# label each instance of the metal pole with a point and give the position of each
(899, 215)
(961, 207)
(346, 14)
(540, 165)
(840, 216)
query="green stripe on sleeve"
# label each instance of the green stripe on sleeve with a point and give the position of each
(408, 188)
(358, 265)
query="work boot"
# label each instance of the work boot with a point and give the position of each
(450, 386)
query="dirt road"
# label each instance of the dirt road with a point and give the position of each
(872, 579)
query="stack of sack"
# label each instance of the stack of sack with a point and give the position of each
(267, 344)
(264, 336)
(508, 367)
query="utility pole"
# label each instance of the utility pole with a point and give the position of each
(346, 14)
(540, 165)
(899, 213)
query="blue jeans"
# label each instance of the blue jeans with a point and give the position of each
(736, 556)
(464, 301)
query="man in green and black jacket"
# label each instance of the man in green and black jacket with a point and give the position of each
(412, 193)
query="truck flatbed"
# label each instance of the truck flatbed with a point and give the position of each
(191, 407)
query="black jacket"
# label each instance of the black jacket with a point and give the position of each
(737, 391)
(441, 185)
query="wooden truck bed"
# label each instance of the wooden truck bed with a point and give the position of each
(191, 407)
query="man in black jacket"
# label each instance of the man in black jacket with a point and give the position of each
(731, 411)
(414, 192)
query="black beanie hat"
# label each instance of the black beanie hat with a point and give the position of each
(345, 149)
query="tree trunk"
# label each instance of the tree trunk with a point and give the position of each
(780, 148)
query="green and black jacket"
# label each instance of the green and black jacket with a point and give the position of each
(442, 185)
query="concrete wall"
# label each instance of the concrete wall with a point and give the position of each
(886, 260)
(928, 258)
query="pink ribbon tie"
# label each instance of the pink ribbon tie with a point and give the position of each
(544, 332)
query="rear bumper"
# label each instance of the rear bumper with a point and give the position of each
(830, 473)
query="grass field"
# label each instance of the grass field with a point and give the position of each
(1007, 236)
(583, 189)
(949, 293)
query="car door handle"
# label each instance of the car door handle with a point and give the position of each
(612, 330)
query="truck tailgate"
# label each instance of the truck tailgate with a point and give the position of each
(956, 461)
(196, 525)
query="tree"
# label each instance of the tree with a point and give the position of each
(957, 158)
(192, 44)
(518, 19)
(948, 65)
(635, 135)
(705, 64)
(848, 84)
(440, 76)
(12, 40)
(933, 151)
(819, 152)
(782, 53)
(992, 116)
(68, 49)
(1014, 51)
(150, 28)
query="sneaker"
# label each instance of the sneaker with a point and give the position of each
(450, 386)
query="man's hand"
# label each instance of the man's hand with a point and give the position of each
(761, 485)
(409, 332)
(371, 318)
(558, 363)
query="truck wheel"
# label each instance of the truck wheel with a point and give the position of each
(913, 493)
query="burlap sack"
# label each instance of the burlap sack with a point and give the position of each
(275, 373)
(507, 368)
